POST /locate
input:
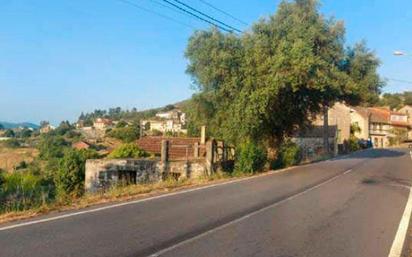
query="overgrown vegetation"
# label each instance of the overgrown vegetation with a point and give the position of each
(23, 190)
(127, 134)
(250, 158)
(128, 151)
(289, 154)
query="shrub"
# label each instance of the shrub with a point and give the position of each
(289, 154)
(51, 146)
(353, 144)
(69, 179)
(126, 134)
(250, 158)
(12, 143)
(130, 150)
(22, 191)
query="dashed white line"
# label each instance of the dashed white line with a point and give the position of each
(187, 241)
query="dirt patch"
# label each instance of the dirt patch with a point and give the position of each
(11, 157)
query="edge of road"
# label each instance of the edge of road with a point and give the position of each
(56, 215)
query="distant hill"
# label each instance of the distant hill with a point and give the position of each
(10, 125)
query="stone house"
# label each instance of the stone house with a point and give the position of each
(102, 123)
(311, 139)
(340, 118)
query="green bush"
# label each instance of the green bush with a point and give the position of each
(289, 154)
(69, 179)
(12, 143)
(353, 144)
(21, 191)
(126, 134)
(130, 150)
(250, 158)
(51, 146)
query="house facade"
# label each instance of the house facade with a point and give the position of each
(102, 124)
(383, 127)
(172, 121)
(339, 117)
(407, 110)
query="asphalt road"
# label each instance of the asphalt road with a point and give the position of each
(347, 207)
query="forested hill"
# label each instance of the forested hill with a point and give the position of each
(133, 114)
(11, 125)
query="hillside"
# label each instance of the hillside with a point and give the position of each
(11, 125)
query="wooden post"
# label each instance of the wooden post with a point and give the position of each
(210, 151)
(164, 158)
(196, 150)
(203, 135)
(164, 155)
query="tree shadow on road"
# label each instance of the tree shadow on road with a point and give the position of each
(376, 153)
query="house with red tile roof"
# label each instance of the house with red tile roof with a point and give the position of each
(381, 125)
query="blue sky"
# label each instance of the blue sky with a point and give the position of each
(59, 58)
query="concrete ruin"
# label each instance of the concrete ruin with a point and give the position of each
(179, 158)
(102, 174)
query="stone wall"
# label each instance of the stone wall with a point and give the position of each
(312, 147)
(101, 174)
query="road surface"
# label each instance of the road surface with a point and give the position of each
(348, 207)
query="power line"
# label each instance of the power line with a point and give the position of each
(155, 13)
(224, 12)
(198, 17)
(168, 7)
(400, 80)
(207, 16)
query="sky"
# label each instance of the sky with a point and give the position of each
(59, 58)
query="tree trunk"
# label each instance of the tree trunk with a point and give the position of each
(326, 129)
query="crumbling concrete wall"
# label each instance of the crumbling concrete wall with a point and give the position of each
(101, 174)
(104, 173)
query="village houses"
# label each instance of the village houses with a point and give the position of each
(377, 125)
(380, 125)
(173, 121)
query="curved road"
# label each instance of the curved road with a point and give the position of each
(346, 207)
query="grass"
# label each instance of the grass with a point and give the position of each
(115, 194)
(11, 157)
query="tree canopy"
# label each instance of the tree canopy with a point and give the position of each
(265, 83)
(396, 100)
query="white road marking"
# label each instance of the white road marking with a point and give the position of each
(137, 201)
(187, 241)
(399, 241)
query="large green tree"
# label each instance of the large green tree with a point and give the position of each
(269, 81)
